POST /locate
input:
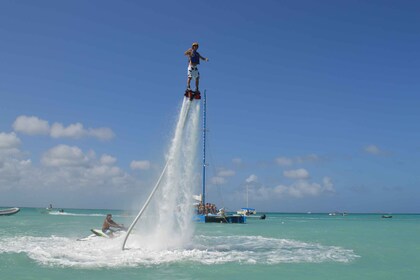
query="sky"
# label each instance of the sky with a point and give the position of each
(312, 106)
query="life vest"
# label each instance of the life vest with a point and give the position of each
(195, 57)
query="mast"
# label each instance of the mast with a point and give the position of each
(204, 150)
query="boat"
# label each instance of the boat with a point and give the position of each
(387, 216)
(9, 211)
(203, 215)
(99, 233)
(249, 212)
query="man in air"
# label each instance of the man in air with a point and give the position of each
(193, 60)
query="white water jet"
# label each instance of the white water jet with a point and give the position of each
(167, 222)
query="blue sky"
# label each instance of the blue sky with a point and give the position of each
(314, 105)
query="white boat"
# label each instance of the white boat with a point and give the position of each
(249, 212)
(9, 211)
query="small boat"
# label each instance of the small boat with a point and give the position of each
(9, 211)
(386, 216)
(250, 213)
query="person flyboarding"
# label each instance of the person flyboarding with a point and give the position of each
(194, 58)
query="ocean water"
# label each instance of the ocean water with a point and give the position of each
(35, 244)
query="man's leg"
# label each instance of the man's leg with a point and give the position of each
(197, 82)
(188, 82)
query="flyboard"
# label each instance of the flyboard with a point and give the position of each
(191, 95)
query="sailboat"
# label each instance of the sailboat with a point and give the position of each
(250, 212)
(206, 212)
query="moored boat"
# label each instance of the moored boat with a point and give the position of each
(9, 211)
(250, 213)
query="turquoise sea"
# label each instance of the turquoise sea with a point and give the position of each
(35, 244)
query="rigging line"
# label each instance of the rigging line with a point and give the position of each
(183, 120)
(219, 192)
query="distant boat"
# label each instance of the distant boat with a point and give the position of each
(249, 212)
(386, 216)
(337, 214)
(9, 211)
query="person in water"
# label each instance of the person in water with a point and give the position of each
(193, 60)
(109, 224)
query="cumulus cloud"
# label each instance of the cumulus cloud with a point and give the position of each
(36, 126)
(302, 188)
(12, 170)
(102, 133)
(140, 164)
(78, 131)
(31, 125)
(72, 131)
(373, 150)
(9, 141)
(64, 167)
(63, 155)
(252, 178)
(107, 160)
(298, 189)
(300, 173)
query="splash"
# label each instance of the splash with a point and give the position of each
(204, 250)
(167, 221)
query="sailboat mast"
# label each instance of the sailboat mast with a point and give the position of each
(204, 150)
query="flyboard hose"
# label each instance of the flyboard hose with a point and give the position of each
(155, 188)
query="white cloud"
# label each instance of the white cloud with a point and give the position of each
(252, 178)
(9, 141)
(63, 155)
(31, 125)
(328, 185)
(140, 164)
(72, 131)
(102, 133)
(298, 189)
(226, 173)
(35, 126)
(296, 174)
(373, 150)
(303, 188)
(107, 160)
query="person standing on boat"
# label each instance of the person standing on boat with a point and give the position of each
(109, 224)
(193, 61)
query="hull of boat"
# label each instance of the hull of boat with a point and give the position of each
(227, 219)
(9, 211)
